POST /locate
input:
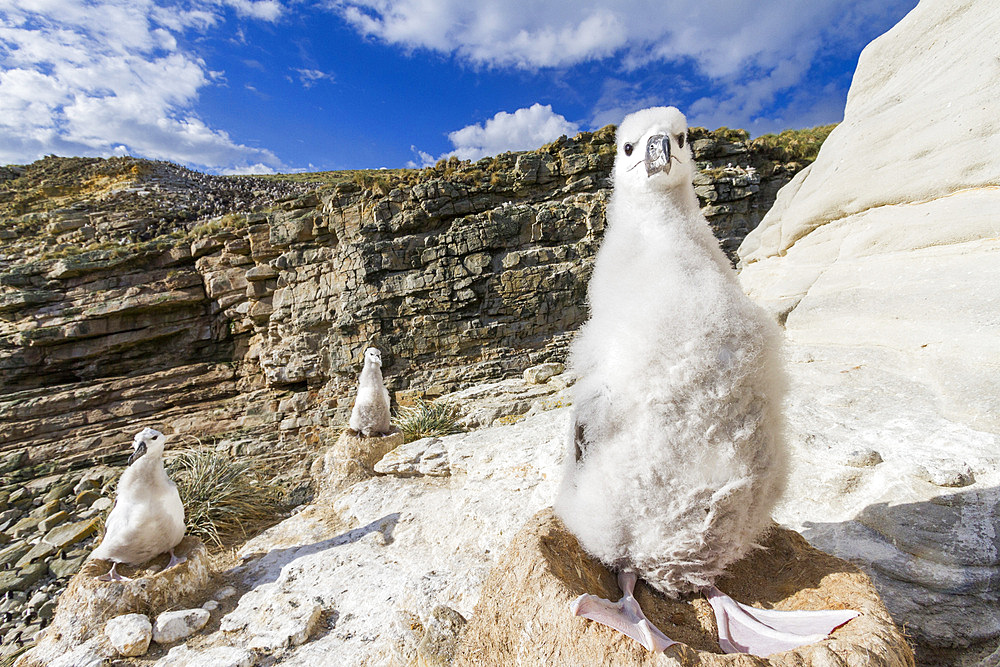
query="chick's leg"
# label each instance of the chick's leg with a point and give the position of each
(625, 616)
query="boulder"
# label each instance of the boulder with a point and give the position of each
(523, 615)
(273, 621)
(426, 456)
(351, 459)
(881, 260)
(173, 626)
(129, 634)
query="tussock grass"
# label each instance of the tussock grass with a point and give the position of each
(224, 498)
(426, 419)
(9, 659)
(793, 145)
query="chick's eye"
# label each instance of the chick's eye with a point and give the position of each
(628, 149)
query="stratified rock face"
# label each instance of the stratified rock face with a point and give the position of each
(134, 292)
(882, 259)
(523, 615)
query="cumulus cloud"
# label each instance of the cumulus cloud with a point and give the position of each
(751, 50)
(108, 77)
(524, 129)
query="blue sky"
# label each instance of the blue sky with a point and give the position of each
(259, 86)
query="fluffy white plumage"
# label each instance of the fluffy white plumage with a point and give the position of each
(676, 456)
(370, 415)
(148, 517)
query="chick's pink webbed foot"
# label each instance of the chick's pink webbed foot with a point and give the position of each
(175, 560)
(113, 575)
(625, 616)
(744, 629)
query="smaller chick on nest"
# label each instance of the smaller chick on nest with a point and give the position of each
(370, 415)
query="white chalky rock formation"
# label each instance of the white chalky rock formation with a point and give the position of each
(883, 259)
(354, 578)
(129, 634)
(173, 626)
(219, 656)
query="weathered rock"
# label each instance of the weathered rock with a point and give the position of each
(13, 552)
(129, 634)
(21, 579)
(506, 401)
(426, 456)
(882, 270)
(542, 372)
(524, 612)
(219, 656)
(440, 642)
(40, 550)
(53, 520)
(273, 621)
(67, 534)
(173, 626)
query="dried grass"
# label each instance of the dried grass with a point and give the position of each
(224, 498)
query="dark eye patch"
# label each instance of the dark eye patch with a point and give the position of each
(680, 140)
(628, 149)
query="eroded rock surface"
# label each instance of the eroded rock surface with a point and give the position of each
(234, 310)
(881, 259)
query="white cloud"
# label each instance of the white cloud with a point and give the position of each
(265, 10)
(424, 159)
(310, 77)
(249, 170)
(751, 50)
(107, 76)
(524, 129)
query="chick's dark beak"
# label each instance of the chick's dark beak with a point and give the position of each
(139, 451)
(657, 154)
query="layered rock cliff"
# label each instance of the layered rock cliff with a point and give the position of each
(138, 290)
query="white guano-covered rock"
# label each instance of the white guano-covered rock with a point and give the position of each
(426, 456)
(883, 259)
(218, 656)
(173, 626)
(378, 558)
(129, 634)
(274, 620)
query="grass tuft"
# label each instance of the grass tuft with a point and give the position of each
(428, 418)
(224, 498)
(793, 145)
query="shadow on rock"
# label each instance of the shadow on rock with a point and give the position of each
(936, 563)
(270, 563)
